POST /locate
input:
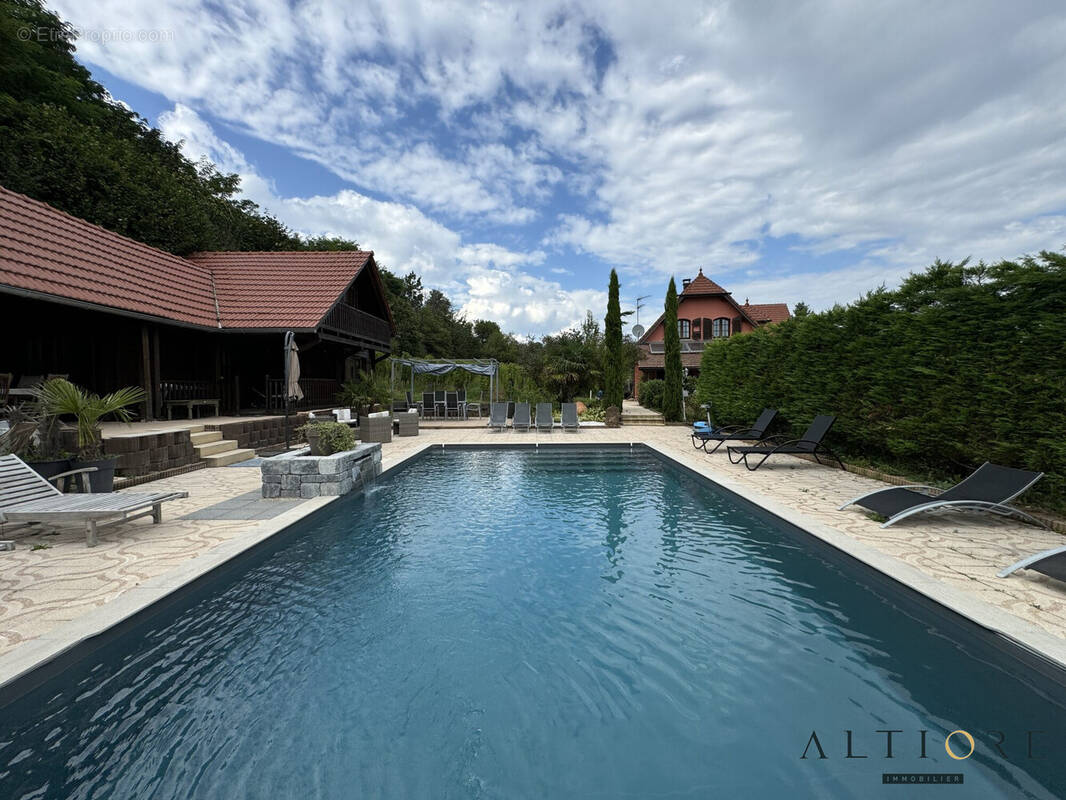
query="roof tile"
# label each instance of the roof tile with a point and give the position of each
(46, 250)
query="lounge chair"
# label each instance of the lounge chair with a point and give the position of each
(569, 417)
(1048, 562)
(520, 421)
(26, 497)
(498, 416)
(723, 435)
(810, 445)
(989, 488)
(545, 421)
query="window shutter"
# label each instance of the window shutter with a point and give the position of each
(736, 325)
(708, 329)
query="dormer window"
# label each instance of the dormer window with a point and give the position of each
(684, 328)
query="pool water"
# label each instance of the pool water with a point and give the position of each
(563, 623)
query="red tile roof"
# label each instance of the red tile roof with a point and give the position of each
(46, 251)
(767, 312)
(279, 289)
(701, 284)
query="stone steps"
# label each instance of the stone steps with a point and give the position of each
(215, 447)
(230, 456)
(642, 418)
(205, 437)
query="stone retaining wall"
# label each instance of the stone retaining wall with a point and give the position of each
(257, 432)
(150, 452)
(307, 476)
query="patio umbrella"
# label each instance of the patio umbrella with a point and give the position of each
(292, 368)
(292, 378)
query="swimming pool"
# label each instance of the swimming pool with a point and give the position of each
(561, 622)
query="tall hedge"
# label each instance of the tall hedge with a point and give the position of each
(614, 378)
(672, 391)
(960, 365)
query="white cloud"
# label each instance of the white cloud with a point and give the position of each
(484, 279)
(698, 135)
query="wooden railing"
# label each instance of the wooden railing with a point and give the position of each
(318, 393)
(188, 390)
(344, 318)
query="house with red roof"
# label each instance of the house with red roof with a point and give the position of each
(705, 311)
(107, 311)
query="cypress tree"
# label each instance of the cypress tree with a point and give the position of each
(672, 394)
(613, 378)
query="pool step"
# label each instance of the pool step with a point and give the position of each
(233, 455)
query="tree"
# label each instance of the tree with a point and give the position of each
(67, 143)
(801, 309)
(613, 376)
(672, 394)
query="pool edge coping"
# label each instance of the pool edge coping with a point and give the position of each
(1000, 621)
(19, 664)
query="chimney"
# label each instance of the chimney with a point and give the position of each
(685, 282)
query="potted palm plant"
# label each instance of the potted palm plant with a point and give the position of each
(36, 438)
(59, 397)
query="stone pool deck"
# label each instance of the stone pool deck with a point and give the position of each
(51, 594)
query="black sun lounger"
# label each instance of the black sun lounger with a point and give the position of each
(545, 420)
(570, 421)
(989, 488)
(1049, 562)
(723, 435)
(498, 415)
(811, 444)
(520, 421)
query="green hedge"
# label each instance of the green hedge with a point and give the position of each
(962, 364)
(650, 394)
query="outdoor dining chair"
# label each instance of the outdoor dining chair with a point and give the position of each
(429, 408)
(451, 404)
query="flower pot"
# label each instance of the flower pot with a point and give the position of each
(312, 440)
(103, 480)
(46, 469)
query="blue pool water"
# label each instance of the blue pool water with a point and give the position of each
(511, 624)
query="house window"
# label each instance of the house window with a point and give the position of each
(696, 329)
(721, 327)
(684, 329)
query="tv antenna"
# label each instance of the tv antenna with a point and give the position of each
(638, 329)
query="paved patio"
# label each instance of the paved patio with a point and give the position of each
(62, 580)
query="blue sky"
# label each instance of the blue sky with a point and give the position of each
(512, 154)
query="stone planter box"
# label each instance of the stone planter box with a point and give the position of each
(300, 474)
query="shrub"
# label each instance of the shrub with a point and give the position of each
(650, 394)
(960, 365)
(333, 437)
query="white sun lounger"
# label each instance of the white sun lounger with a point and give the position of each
(26, 497)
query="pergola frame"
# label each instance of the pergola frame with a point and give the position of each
(488, 367)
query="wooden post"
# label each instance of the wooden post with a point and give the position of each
(157, 378)
(146, 374)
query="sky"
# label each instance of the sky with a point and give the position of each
(513, 153)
